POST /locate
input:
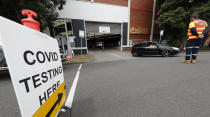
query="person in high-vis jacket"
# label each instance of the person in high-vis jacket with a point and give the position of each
(196, 31)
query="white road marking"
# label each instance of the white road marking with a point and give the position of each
(63, 110)
(80, 67)
(116, 55)
(70, 98)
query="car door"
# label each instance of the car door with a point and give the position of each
(152, 49)
(156, 49)
(140, 48)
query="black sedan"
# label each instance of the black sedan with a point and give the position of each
(153, 48)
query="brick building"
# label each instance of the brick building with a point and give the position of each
(140, 19)
(132, 18)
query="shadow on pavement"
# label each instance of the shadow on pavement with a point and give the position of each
(156, 56)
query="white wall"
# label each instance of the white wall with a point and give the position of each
(94, 12)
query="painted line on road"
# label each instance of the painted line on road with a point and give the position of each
(80, 67)
(116, 55)
(70, 98)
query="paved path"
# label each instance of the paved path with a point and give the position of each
(108, 55)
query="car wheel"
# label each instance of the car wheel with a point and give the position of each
(135, 54)
(164, 53)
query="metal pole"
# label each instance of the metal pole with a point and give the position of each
(64, 52)
(121, 42)
(81, 46)
(153, 19)
(67, 38)
(129, 21)
(160, 39)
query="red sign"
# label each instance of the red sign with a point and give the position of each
(68, 56)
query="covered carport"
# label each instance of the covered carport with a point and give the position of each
(103, 35)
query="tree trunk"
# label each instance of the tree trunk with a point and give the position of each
(182, 43)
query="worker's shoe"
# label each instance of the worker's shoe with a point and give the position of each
(186, 61)
(193, 61)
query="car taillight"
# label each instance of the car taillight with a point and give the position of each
(2, 65)
(2, 59)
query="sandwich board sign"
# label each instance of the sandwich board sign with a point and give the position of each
(35, 68)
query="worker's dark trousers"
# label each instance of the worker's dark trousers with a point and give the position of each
(193, 46)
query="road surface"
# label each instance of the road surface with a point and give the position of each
(132, 87)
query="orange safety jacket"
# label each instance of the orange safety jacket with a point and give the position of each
(200, 26)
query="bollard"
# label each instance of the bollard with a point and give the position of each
(30, 22)
(68, 56)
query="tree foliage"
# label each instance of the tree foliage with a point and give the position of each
(174, 16)
(46, 9)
